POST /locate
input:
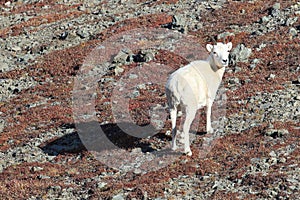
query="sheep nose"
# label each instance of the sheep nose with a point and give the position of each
(224, 60)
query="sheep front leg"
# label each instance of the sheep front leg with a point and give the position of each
(190, 115)
(209, 129)
(173, 115)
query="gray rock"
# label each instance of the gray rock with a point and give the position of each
(275, 10)
(123, 56)
(291, 21)
(272, 154)
(149, 56)
(16, 48)
(252, 66)
(43, 177)
(2, 124)
(225, 35)
(276, 6)
(63, 35)
(271, 76)
(82, 8)
(261, 46)
(276, 133)
(3, 66)
(118, 197)
(53, 189)
(7, 4)
(237, 69)
(240, 54)
(135, 94)
(133, 76)
(234, 80)
(178, 21)
(137, 171)
(101, 185)
(265, 19)
(36, 169)
(83, 33)
(293, 32)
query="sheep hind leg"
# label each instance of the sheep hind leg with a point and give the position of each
(173, 115)
(209, 129)
(190, 115)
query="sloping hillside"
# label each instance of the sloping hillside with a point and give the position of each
(71, 70)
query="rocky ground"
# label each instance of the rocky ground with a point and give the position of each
(49, 152)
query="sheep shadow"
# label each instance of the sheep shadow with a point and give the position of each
(92, 136)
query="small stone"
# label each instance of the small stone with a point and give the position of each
(261, 46)
(82, 8)
(149, 56)
(265, 19)
(255, 61)
(63, 35)
(118, 197)
(122, 56)
(82, 34)
(272, 154)
(252, 66)
(43, 177)
(101, 185)
(273, 193)
(178, 21)
(240, 54)
(283, 132)
(234, 80)
(276, 6)
(291, 21)
(3, 66)
(270, 132)
(8, 4)
(133, 76)
(237, 69)
(136, 150)
(16, 48)
(225, 35)
(118, 70)
(142, 86)
(36, 169)
(293, 32)
(96, 12)
(282, 160)
(137, 171)
(292, 187)
(52, 189)
(272, 76)
(135, 94)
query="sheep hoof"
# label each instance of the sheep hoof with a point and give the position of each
(174, 148)
(188, 152)
(211, 130)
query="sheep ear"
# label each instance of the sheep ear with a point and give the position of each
(209, 47)
(229, 46)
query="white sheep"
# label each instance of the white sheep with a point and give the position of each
(194, 86)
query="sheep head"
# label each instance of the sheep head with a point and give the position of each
(219, 53)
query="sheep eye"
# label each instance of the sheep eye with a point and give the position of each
(215, 53)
